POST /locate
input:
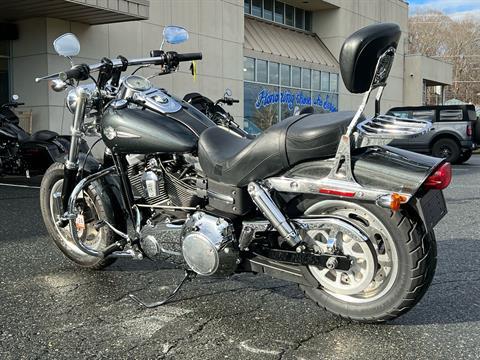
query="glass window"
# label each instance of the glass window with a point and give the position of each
(451, 115)
(316, 80)
(262, 74)
(296, 77)
(306, 78)
(325, 81)
(308, 21)
(285, 74)
(299, 13)
(273, 72)
(249, 69)
(268, 9)
(261, 107)
(257, 8)
(289, 15)
(247, 6)
(287, 100)
(335, 103)
(279, 12)
(424, 115)
(334, 82)
(400, 114)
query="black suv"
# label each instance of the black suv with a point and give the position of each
(453, 134)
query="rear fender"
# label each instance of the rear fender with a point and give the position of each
(382, 168)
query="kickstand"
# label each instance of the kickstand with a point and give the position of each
(189, 275)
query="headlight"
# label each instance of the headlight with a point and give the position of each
(71, 100)
(72, 97)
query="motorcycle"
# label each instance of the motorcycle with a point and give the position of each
(317, 199)
(216, 112)
(27, 154)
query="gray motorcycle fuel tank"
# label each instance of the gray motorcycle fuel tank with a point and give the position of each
(142, 131)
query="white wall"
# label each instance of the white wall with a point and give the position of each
(215, 26)
(335, 25)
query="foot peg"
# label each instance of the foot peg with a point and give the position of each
(189, 275)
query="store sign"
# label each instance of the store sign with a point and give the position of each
(266, 98)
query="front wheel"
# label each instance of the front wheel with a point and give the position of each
(93, 204)
(388, 277)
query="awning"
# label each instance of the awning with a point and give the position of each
(84, 11)
(268, 38)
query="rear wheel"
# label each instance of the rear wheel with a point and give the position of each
(93, 206)
(448, 149)
(388, 277)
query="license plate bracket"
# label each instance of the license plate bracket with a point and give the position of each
(432, 208)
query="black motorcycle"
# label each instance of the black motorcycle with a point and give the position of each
(216, 112)
(317, 199)
(27, 154)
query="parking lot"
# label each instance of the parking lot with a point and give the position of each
(50, 308)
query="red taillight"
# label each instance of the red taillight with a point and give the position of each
(441, 178)
(469, 130)
(336, 192)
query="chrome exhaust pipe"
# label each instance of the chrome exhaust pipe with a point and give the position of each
(269, 209)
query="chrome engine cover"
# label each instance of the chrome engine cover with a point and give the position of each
(208, 245)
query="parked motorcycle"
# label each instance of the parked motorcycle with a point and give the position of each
(316, 199)
(25, 154)
(216, 112)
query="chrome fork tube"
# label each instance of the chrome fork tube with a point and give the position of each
(72, 161)
(71, 164)
(269, 209)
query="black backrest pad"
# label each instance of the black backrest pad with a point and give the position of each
(360, 53)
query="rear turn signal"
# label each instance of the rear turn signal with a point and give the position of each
(396, 201)
(441, 178)
(392, 201)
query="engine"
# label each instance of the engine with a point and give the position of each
(206, 242)
(208, 245)
(9, 161)
(164, 181)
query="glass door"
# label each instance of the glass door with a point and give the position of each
(4, 71)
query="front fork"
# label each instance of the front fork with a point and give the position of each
(71, 165)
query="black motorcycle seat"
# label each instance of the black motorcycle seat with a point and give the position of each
(227, 158)
(42, 135)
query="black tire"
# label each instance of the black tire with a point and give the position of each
(101, 195)
(465, 156)
(417, 254)
(448, 149)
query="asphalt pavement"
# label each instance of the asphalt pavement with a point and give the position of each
(52, 309)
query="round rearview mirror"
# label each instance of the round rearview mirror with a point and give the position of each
(175, 34)
(67, 45)
(15, 97)
(228, 93)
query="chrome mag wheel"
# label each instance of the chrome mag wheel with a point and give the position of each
(375, 262)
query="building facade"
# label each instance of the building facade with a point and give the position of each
(275, 56)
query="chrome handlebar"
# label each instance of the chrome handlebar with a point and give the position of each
(116, 63)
